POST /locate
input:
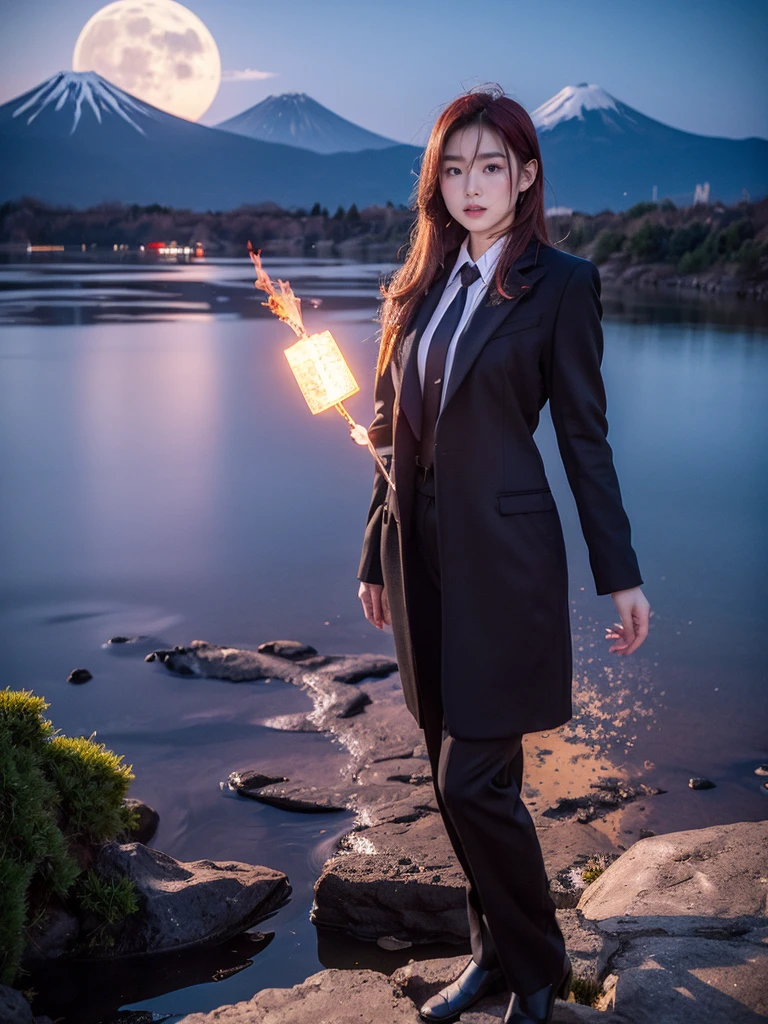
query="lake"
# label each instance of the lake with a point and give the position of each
(162, 476)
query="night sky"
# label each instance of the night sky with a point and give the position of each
(391, 66)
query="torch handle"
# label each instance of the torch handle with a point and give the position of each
(381, 465)
(339, 406)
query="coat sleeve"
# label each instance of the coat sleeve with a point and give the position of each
(578, 406)
(380, 433)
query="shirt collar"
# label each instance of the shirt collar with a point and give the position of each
(486, 264)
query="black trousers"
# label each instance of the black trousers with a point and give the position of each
(478, 786)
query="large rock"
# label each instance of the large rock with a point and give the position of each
(669, 980)
(688, 910)
(367, 997)
(187, 905)
(398, 880)
(328, 997)
(718, 872)
(147, 820)
(589, 948)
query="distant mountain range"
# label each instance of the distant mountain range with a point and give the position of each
(78, 140)
(295, 119)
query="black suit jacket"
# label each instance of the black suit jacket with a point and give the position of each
(502, 554)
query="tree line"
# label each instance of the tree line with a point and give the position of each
(691, 238)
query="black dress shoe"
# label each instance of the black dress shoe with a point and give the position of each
(471, 985)
(537, 1007)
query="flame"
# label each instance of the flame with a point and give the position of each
(317, 362)
(285, 305)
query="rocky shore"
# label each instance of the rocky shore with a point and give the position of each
(721, 279)
(671, 929)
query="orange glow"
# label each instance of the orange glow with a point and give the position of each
(317, 362)
(286, 305)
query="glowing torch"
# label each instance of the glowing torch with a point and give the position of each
(317, 362)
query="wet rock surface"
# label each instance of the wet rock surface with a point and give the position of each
(333, 996)
(399, 880)
(366, 889)
(187, 905)
(672, 929)
(607, 793)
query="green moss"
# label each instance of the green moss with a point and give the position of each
(56, 792)
(21, 713)
(91, 782)
(29, 833)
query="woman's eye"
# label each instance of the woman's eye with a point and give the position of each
(496, 167)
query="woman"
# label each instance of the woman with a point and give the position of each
(482, 325)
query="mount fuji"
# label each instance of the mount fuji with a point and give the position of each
(79, 140)
(599, 153)
(297, 120)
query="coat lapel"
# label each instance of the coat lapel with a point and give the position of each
(480, 326)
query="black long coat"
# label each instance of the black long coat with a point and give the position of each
(506, 649)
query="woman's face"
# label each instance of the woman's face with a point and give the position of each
(490, 183)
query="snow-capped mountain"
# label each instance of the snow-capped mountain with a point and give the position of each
(78, 139)
(573, 101)
(295, 119)
(70, 91)
(598, 153)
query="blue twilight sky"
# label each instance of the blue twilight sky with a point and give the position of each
(391, 65)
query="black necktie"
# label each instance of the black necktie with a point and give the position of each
(435, 368)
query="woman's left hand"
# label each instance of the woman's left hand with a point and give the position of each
(634, 611)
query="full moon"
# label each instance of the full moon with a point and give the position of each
(156, 50)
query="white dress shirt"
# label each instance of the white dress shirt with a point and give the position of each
(487, 267)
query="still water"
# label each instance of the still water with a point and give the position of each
(163, 477)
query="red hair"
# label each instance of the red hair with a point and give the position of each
(434, 233)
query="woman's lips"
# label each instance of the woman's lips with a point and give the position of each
(476, 212)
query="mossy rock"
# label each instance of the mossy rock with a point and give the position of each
(60, 797)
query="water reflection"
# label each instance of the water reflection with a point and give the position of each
(163, 476)
(84, 294)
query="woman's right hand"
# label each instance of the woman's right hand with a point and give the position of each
(375, 603)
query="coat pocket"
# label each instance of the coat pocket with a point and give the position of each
(538, 500)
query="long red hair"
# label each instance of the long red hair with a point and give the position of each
(435, 233)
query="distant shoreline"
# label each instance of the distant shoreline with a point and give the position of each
(705, 247)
